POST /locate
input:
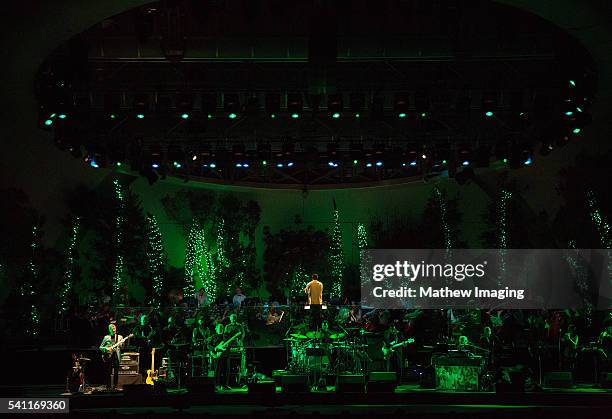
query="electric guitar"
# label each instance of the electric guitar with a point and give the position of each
(152, 374)
(110, 349)
(388, 349)
(221, 347)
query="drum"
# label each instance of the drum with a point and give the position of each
(317, 358)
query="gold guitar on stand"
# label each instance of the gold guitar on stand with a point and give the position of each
(152, 373)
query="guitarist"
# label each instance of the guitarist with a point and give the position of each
(112, 366)
(235, 348)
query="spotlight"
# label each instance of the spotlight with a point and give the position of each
(295, 104)
(421, 102)
(141, 105)
(273, 104)
(488, 114)
(401, 104)
(209, 104)
(184, 105)
(334, 105)
(489, 103)
(231, 105)
(356, 101)
(332, 164)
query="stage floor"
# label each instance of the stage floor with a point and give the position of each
(406, 400)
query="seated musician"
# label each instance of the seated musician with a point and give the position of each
(274, 316)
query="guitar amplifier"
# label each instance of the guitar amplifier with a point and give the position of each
(129, 363)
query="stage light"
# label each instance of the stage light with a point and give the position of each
(423, 156)
(209, 116)
(505, 160)
(290, 164)
(357, 115)
(569, 113)
(295, 104)
(335, 105)
(465, 163)
(368, 164)
(177, 165)
(264, 163)
(489, 102)
(444, 161)
(212, 165)
(279, 165)
(93, 163)
(185, 116)
(118, 164)
(113, 116)
(576, 130)
(273, 116)
(140, 116)
(155, 165)
(355, 162)
(379, 163)
(572, 83)
(231, 105)
(578, 108)
(488, 114)
(423, 114)
(48, 122)
(273, 104)
(62, 116)
(194, 157)
(413, 163)
(401, 104)
(140, 105)
(332, 164)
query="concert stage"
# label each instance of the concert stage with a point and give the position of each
(405, 400)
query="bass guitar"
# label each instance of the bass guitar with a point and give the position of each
(388, 349)
(110, 349)
(218, 350)
(152, 374)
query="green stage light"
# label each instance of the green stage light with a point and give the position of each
(53, 115)
(62, 116)
(569, 113)
(423, 114)
(295, 115)
(232, 115)
(578, 108)
(209, 116)
(355, 162)
(576, 130)
(48, 122)
(444, 161)
(357, 115)
(505, 160)
(572, 83)
(402, 114)
(113, 116)
(118, 164)
(273, 116)
(140, 116)
(264, 163)
(488, 114)
(336, 115)
(185, 116)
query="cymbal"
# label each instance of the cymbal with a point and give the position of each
(298, 336)
(314, 335)
(337, 335)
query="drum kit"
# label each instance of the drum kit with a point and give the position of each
(319, 352)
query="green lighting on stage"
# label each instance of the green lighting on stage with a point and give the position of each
(62, 116)
(113, 116)
(488, 114)
(357, 115)
(336, 115)
(355, 162)
(576, 130)
(48, 122)
(140, 116)
(578, 108)
(209, 116)
(232, 115)
(185, 116)
(423, 114)
(264, 163)
(336, 257)
(52, 115)
(505, 160)
(295, 115)
(273, 116)
(572, 83)
(118, 164)
(402, 114)
(444, 161)
(569, 113)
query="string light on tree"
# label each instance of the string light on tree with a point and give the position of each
(502, 210)
(193, 258)
(209, 282)
(119, 268)
(221, 257)
(66, 290)
(446, 231)
(155, 259)
(299, 277)
(336, 256)
(32, 322)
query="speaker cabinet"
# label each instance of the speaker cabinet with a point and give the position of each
(382, 382)
(559, 379)
(350, 383)
(129, 379)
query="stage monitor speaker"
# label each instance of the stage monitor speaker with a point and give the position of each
(201, 385)
(263, 388)
(138, 390)
(382, 382)
(605, 380)
(291, 383)
(558, 379)
(129, 379)
(350, 383)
